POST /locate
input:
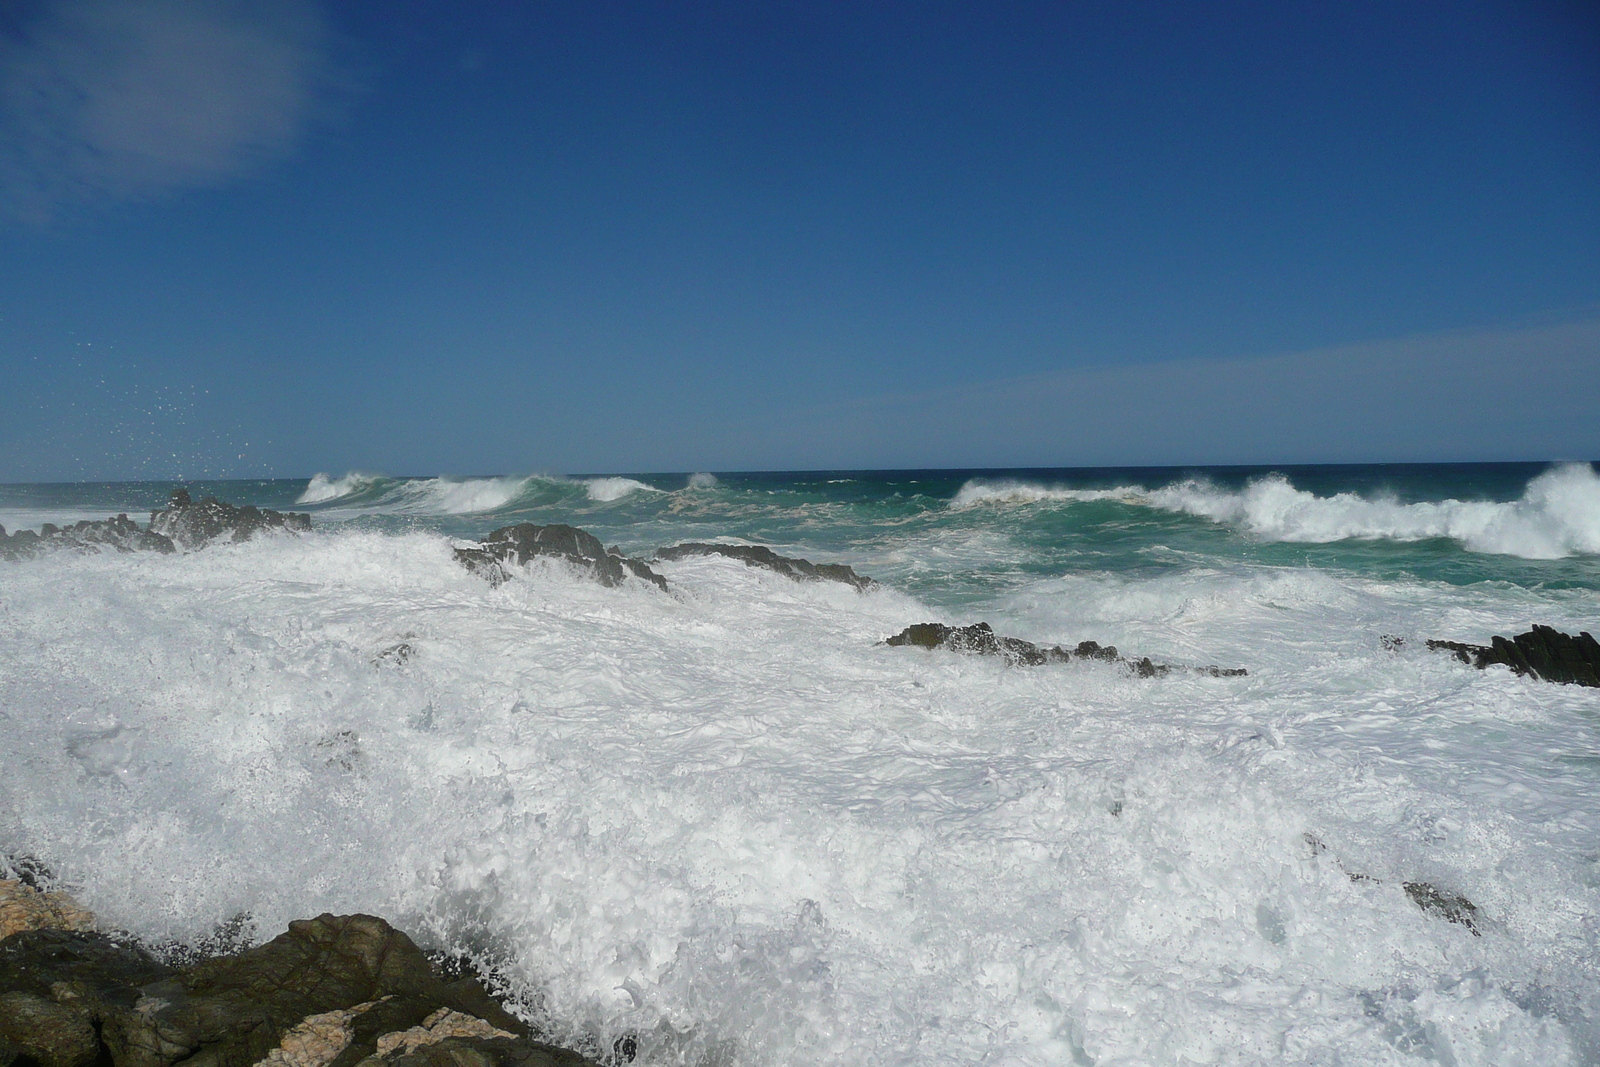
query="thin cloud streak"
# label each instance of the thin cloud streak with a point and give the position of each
(104, 101)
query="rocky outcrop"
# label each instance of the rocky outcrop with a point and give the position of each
(334, 991)
(801, 570)
(119, 532)
(516, 545)
(1542, 652)
(193, 525)
(980, 639)
(182, 523)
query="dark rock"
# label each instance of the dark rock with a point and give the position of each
(518, 544)
(801, 570)
(120, 533)
(1542, 652)
(194, 525)
(980, 639)
(78, 999)
(489, 1052)
(1451, 908)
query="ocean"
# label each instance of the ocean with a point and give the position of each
(726, 825)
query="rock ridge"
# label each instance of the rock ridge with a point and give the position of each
(1543, 652)
(981, 640)
(801, 570)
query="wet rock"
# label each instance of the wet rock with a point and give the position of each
(192, 525)
(1450, 907)
(24, 907)
(516, 545)
(801, 570)
(980, 639)
(119, 533)
(1542, 652)
(333, 991)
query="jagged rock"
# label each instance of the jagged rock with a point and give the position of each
(323, 994)
(1542, 652)
(980, 639)
(518, 544)
(194, 525)
(25, 907)
(801, 570)
(119, 532)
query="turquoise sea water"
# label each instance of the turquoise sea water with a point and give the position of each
(728, 823)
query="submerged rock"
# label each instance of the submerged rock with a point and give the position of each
(801, 570)
(334, 991)
(194, 525)
(518, 544)
(980, 639)
(1542, 652)
(1451, 907)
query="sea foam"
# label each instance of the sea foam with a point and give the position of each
(731, 824)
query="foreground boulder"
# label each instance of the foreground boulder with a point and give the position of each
(119, 532)
(518, 544)
(1542, 652)
(980, 639)
(334, 991)
(801, 570)
(193, 525)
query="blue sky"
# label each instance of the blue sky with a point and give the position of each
(421, 238)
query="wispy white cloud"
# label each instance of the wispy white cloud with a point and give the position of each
(119, 100)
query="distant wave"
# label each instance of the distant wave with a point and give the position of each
(607, 489)
(451, 496)
(323, 488)
(702, 480)
(1558, 514)
(975, 493)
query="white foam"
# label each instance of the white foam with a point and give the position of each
(608, 489)
(730, 822)
(702, 480)
(977, 492)
(1558, 514)
(323, 488)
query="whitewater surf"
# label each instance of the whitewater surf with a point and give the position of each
(728, 822)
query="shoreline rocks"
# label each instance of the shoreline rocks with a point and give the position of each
(1543, 652)
(181, 524)
(801, 570)
(516, 545)
(980, 639)
(333, 991)
(193, 525)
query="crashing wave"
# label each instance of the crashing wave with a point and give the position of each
(452, 496)
(323, 488)
(702, 480)
(608, 489)
(1557, 515)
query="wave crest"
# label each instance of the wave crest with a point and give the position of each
(608, 489)
(1557, 515)
(323, 488)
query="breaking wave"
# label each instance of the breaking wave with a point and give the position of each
(1558, 514)
(323, 488)
(449, 496)
(608, 489)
